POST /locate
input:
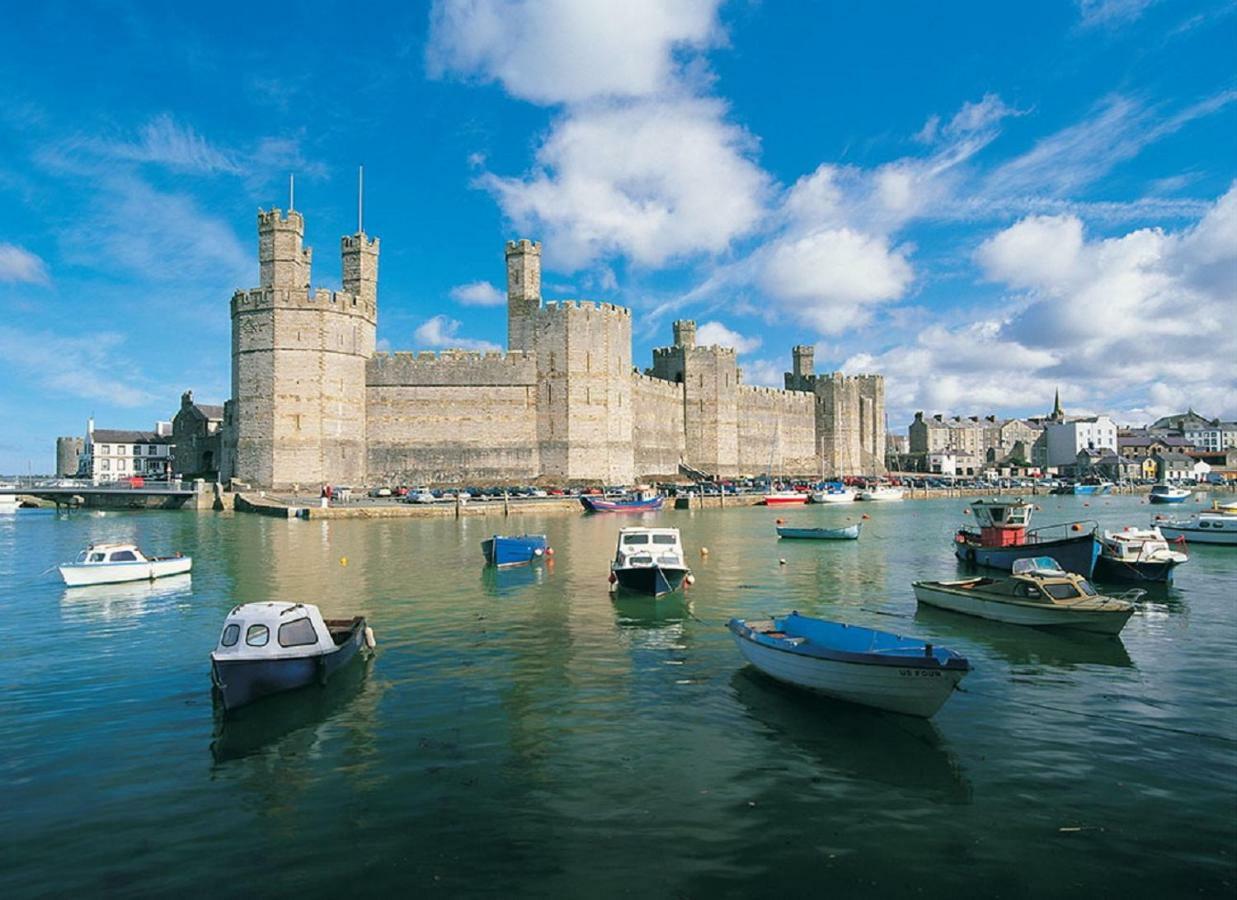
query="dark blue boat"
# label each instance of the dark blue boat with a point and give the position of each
(268, 648)
(514, 550)
(649, 561)
(1003, 538)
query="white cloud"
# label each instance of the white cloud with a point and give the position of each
(165, 141)
(21, 266)
(568, 51)
(80, 366)
(478, 293)
(441, 332)
(716, 333)
(650, 180)
(764, 372)
(1111, 13)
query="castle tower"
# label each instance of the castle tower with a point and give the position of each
(360, 266)
(803, 357)
(523, 292)
(297, 413)
(685, 333)
(282, 262)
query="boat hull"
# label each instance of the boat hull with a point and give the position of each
(1099, 621)
(1168, 498)
(912, 692)
(1109, 569)
(519, 550)
(239, 682)
(653, 581)
(1226, 536)
(885, 495)
(1073, 554)
(829, 497)
(849, 533)
(117, 573)
(598, 504)
(797, 500)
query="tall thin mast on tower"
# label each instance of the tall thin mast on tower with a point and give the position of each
(291, 192)
(360, 197)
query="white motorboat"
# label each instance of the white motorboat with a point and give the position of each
(8, 502)
(649, 561)
(1039, 594)
(852, 663)
(1206, 527)
(834, 492)
(116, 563)
(1137, 554)
(1166, 493)
(881, 492)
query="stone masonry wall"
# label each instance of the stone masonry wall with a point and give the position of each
(657, 438)
(452, 417)
(776, 429)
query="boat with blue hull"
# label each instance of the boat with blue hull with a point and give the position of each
(846, 533)
(1139, 555)
(1166, 493)
(503, 550)
(649, 561)
(1003, 538)
(852, 663)
(641, 501)
(269, 648)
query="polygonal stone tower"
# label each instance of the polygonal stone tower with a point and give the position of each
(523, 292)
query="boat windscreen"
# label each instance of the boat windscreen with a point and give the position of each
(663, 539)
(635, 539)
(1061, 591)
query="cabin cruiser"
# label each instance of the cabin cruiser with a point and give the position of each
(1212, 526)
(116, 563)
(649, 561)
(879, 492)
(266, 648)
(1166, 493)
(1137, 554)
(1004, 537)
(1040, 594)
(833, 492)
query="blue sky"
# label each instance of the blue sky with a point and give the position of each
(983, 201)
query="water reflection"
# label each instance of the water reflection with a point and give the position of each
(851, 740)
(118, 601)
(642, 611)
(504, 582)
(294, 715)
(1020, 645)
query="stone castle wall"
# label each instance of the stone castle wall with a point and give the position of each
(657, 438)
(451, 417)
(777, 431)
(710, 379)
(850, 423)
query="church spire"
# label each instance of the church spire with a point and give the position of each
(1057, 412)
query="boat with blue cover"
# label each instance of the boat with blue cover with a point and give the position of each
(637, 501)
(504, 550)
(846, 533)
(649, 561)
(1003, 538)
(852, 663)
(268, 648)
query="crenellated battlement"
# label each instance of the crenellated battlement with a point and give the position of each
(360, 241)
(776, 393)
(275, 217)
(523, 245)
(451, 368)
(319, 299)
(709, 349)
(650, 380)
(565, 307)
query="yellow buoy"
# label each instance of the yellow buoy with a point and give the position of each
(704, 551)
(343, 560)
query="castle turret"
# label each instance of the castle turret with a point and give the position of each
(803, 357)
(282, 262)
(360, 266)
(523, 292)
(685, 333)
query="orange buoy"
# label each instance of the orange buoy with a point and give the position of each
(866, 516)
(780, 521)
(549, 551)
(1076, 527)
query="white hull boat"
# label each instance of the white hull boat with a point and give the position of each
(846, 496)
(1201, 528)
(118, 563)
(881, 494)
(852, 663)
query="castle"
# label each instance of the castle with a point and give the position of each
(313, 402)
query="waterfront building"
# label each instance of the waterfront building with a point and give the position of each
(1065, 439)
(68, 456)
(313, 402)
(1141, 444)
(113, 454)
(1172, 466)
(197, 439)
(1215, 436)
(990, 439)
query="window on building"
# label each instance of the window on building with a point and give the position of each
(137, 450)
(105, 449)
(105, 465)
(150, 451)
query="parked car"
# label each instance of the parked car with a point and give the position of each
(380, 492)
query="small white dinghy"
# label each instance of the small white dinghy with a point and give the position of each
(116, 563)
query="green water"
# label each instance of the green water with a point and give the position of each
(524, 734)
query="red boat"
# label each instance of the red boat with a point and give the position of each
(785, 498)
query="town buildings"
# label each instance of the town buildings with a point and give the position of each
(312, 401)
(68, 455)
(112, 454)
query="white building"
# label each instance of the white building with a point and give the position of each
(112, 455)
(1214, 436)
(1066, 439)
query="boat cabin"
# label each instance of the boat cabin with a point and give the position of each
(648, 546)
(1041, 578)
(102, 554)
(274, 631)
(1002, 523)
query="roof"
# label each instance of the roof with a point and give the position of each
(1170, 456)
(1146, 440)
(118, 436)
(209, 410)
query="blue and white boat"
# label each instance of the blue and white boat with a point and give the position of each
(846, 533)
(267, 648)
(833, 492)
(1092, 487)
(638, 501)
(852, 663)
(649, 561)
(1138, 555)
(504, 550)
(1166, 493)
(1003, 538)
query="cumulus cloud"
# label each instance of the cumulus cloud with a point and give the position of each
(21, 266)
(716, 333)
(441, 332)
(649, 180)
(569, 51)
(478, 293)
(764, 372)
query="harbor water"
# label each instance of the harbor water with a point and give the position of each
(525, 734)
